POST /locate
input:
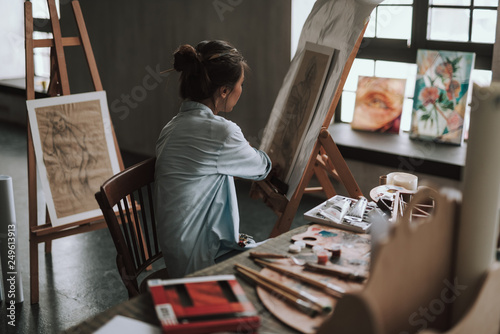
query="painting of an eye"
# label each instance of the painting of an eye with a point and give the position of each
(379, 104)
(379, 101)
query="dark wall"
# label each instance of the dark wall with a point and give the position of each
(131, 40)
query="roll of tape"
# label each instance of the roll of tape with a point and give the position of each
(9, 252)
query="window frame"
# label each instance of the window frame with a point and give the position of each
(398, 50)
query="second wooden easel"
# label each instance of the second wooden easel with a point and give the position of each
(59, 85)
(324, 162)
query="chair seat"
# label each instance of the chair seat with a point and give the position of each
(162, 274)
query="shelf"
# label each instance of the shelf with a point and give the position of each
(400, 152)
(18, 86)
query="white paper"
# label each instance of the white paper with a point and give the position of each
(124, 325)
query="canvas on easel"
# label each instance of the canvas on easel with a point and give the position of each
(340, 25)
(75, 152)
(299, 107)
(46, 231)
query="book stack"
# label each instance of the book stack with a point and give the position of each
(203, 305)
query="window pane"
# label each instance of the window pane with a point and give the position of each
(370, 29)
(300, 11)
(406, 115)
(450, 2)
(448, 24)
(364, 67)
(41, 9)
(41, 56)
(486, 3)
(394, 22)
(347, 106)
(12, 40)
(484, 24)
(392, 69)
(481, 77)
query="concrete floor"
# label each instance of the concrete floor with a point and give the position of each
(79, 279)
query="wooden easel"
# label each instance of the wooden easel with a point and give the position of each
(59, 85)
(325, 161)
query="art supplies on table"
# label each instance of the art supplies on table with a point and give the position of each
(338, 212)
(385, 191)
(203, 305)
(345, 271)
(300, 299)
(393, 200)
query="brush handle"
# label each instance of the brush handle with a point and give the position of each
(336, 271)
(262, 255)
(329, 288)
(283, 289)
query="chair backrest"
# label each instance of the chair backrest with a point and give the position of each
(126, 201)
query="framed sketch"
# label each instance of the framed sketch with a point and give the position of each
(299, 107)
(441, 93)
(379, 104)
(75, 152)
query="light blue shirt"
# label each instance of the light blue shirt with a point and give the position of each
(198, 154)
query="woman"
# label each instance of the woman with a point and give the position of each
(198, 154)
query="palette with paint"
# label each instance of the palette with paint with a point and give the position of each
(355, 256)
(353, 245)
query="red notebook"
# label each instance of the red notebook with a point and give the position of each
(203, 305)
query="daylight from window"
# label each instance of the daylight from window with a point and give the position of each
(448, 20)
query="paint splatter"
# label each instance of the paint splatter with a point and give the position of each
(327, 234)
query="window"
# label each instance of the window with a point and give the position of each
(462, 20)
(300, 11)
(391, 19)
(12, 40)
(398, 28)
(12, 55)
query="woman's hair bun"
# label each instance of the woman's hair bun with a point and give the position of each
(186, 58)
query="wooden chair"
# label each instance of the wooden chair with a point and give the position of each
(126, 202)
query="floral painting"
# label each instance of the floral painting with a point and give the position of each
(440, 96)
(379, 104)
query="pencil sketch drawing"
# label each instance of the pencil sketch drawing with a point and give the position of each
(66, 143)
(299, 110)
(75, 154)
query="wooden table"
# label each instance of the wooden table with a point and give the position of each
(141, 307)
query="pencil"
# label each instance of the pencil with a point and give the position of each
(294, 292)
(298, 303)
(328, 288)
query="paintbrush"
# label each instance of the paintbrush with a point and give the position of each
(322, 307)
(302, 305)
(328, 288)
(335, 270)
(260, 255)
